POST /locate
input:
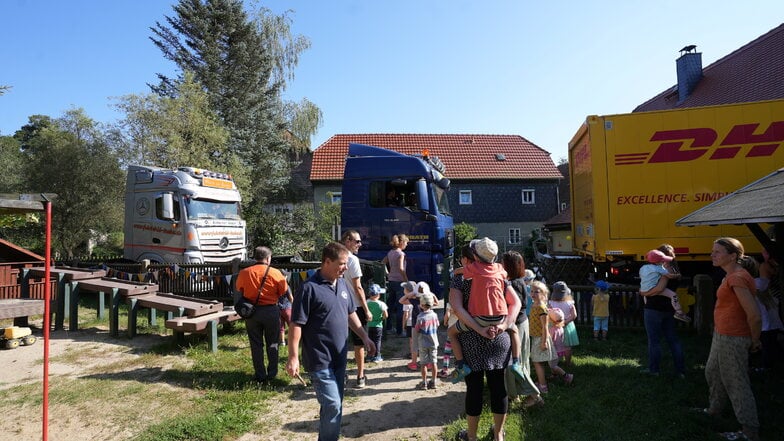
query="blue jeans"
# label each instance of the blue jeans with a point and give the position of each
(328, 384)
(660, 324)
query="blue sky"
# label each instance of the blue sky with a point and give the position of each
(534, 69)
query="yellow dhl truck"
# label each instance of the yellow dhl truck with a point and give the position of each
(633, 175)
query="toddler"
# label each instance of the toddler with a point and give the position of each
(561, 298)
(426, 333)
(450, 318)
(409, 290)
(650, 274)
(486, 303)
(542, 350)
(379, 313)
(600, 310)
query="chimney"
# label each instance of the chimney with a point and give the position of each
(689, 67)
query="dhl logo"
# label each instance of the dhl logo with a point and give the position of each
(691, 144)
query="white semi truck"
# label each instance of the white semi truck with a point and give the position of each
(183, 215)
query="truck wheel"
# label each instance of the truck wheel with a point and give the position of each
(11, 343)
(29, 339)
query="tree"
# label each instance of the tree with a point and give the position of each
(242, 60)
(180, 130)
(69, 156)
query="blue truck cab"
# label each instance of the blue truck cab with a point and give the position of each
(387, 193)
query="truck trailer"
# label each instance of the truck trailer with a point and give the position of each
(386, 193)
(183, 215)
(633, 175)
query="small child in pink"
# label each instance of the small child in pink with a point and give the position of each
(656, 268)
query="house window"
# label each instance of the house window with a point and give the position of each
(529, 196)
(514, 235)
(334, 197)
(465, 197)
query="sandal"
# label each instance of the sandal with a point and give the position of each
(733, 436)
(533, 401)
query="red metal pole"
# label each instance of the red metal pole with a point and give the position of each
(47, 300)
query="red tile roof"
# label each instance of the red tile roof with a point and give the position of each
(754, 72)
(465, 156)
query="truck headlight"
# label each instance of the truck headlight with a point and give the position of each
(439, 268)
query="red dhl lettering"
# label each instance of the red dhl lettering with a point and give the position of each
(692, 144)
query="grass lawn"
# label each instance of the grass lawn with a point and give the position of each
(612, 400)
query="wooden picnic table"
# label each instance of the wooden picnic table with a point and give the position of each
(118, 289)
(68, 279)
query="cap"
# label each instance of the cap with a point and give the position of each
(409, 286)
(656, 256)
(375, 290)
(427, 299)
(560, 289)
(602, 285)
(529, 275)
(485, 249)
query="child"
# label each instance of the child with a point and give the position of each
(653, 271)
(378, 311)
(561, 298)
(486, 304)
(409, 290)
(542, 350)
(600, 309)
(450, 318)
(426, 332)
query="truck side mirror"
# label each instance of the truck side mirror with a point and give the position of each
(168, 207)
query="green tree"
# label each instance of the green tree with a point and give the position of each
(464, 233)
(69, 156)
(180, 130)
(11, 164)
(243, 61)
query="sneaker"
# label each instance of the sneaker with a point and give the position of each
(542, 388)
(422, 385)
(459, 374)
(378, 359)
(682, 317)
(568, 379)
(413, 366)
(443, 373)
(517, 368)
(432, 385)
(361, 382)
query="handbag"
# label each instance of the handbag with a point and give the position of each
(245, 308)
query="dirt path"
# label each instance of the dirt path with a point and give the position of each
(389, 408)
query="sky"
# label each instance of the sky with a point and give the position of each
(512, 67)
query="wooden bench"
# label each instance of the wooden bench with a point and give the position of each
(180, 306)
(12, 308)
(118, 289)
(68, 279)
(204, 323)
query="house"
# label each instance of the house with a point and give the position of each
(751, 73)
(503, 185)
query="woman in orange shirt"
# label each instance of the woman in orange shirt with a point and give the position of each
(737, 330)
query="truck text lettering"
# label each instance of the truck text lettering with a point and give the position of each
(666, 198)
(691, 144)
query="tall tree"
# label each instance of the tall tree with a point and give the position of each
(70, 157)
(243, 63)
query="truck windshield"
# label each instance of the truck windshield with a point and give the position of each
(211, 209)
(441, 200)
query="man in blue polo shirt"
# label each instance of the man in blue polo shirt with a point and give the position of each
(321, 315)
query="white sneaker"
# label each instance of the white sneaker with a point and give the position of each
(682, 317)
